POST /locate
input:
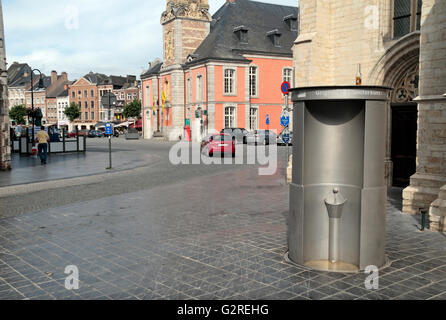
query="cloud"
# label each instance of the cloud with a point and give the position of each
(79, 36)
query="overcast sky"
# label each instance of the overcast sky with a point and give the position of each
(78, 36)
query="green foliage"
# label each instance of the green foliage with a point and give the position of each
(132, 109)
(73, 112)
(18, 114)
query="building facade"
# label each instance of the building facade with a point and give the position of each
(382, 42)
(87, 93)
(19, 81)
(63, 101)
(219, 72)
(5, 149)
(84, 92)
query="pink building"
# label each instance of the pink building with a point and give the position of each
(229, 79)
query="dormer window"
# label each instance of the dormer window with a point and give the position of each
(242, 34)
(291, 22)
(192, 57)
(274, 35)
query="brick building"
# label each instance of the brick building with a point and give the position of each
(399, 44)
(84, 92)
(221, 71)
(88, 91)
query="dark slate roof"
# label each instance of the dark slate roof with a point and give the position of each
(57, 91)
(118, 81)
(259, 19)
(96, 78)
(155, 69)
(16, 75)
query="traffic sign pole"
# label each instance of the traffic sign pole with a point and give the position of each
(109, 100)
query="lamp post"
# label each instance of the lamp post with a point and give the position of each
(40, 85)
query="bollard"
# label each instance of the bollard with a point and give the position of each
(423, 219)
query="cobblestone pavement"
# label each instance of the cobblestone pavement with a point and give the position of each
(214, 235)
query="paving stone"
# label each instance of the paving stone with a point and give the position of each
(143, 237)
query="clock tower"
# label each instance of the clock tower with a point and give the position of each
(186, 23)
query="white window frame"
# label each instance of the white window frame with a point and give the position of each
(285, 77)
(199, 88)
(256, 75)
(189, 90)
(233, 116)
(256, 125)
(232, 92)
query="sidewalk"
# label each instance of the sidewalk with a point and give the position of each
(70, 165)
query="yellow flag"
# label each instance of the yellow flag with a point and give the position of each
(164, 99)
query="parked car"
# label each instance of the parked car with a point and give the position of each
(92, 134)
(280, 141)
(239, 134)
(83, 132)
(71, 134)
(219, 144)
(96, 134)
(263, 137)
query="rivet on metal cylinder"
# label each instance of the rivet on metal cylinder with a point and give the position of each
(335, 204)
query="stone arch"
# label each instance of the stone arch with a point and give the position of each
(398, 69)
(397, 59)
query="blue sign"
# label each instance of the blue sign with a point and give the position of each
(286, 136)
(267, 120)
(286, 86)
(285, 119)
(109, 129)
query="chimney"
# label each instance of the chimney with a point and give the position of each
(53, 77)
(230, 1)
(65, 86)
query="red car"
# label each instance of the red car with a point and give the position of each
(219, 144)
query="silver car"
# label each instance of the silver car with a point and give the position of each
(262, 137)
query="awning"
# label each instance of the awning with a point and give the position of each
(122, 125)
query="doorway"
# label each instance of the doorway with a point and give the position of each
(404, 142)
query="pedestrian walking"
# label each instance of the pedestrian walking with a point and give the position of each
(12, 135)
(42, 138)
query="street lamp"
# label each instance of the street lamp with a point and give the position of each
(40, 85)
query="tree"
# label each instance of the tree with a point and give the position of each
(72, 112)
(132, 109)
(18, 114)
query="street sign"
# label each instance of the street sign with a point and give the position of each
(109, 129)
(267, 120)
(109, 100)
(286, 136)
(285, 118)
(285, 87)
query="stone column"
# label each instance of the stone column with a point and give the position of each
(431, 143)
(5, 148)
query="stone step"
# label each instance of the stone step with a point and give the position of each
(442, 194)
(418, 193)
(426, 180)
(158, 135)
(438, 208)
